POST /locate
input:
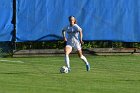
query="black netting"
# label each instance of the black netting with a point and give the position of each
(6, 49)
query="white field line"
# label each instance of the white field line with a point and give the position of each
(11, 61)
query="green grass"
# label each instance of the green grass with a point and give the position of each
(109, 74)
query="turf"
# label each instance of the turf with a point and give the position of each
(108, 74)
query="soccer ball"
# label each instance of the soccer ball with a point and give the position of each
(63, 69)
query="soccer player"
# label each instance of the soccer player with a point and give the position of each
(73, 41)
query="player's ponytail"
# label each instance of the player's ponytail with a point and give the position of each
(75, 21)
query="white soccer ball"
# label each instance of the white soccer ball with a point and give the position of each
(63, 69)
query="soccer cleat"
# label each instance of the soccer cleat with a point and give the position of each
(69, 70)
(88, 67)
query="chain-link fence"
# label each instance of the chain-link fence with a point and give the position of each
(6, 49)
(87, 44)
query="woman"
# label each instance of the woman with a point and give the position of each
(73, 41)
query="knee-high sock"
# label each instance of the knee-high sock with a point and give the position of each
(67, 61)
(84, 59)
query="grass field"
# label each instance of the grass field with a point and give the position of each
(109, 74)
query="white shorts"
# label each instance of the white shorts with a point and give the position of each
(75, 45)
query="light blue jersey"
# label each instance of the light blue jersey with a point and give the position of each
(73, 32)
(73, 36)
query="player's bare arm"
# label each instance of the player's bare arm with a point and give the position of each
(64, 35)
(81, 37)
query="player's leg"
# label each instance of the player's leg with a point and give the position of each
(77, 46)
(80, 54)
(68, 50)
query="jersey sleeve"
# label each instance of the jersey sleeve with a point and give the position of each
(65, 28)
(78, 28)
